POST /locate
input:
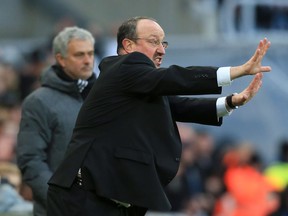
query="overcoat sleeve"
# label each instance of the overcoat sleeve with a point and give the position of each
(32, 146)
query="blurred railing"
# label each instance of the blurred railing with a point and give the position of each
(246, 18)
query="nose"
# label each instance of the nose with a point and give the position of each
(88, 59)
(161, 49)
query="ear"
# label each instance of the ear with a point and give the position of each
(128, 45)
(60, 59)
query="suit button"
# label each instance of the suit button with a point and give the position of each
(177, 159)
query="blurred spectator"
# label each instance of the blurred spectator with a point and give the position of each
(10, 173)
(283, 206)
(8, 134)
(10, 183)
(207, 184)
(283, 151)
(9, 82)
(199, 205)
(11, 187)
(248, 191)
(204, 148)
(9, 112)
(196, 184)
(180, 190)
(35, 62)
(277, 175)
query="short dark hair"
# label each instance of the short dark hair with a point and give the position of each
(128, 30)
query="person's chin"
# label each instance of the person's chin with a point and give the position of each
(87, 74)
(157, 64)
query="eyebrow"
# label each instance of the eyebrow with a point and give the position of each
(155, 36)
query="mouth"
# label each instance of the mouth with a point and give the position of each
(158, 61)
(87, 69)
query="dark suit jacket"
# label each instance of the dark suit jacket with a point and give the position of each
(126, 139)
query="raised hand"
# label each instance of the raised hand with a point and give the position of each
(254, 64)
(248, 93)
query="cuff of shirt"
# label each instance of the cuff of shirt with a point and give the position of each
(223, 76)
(221, 107)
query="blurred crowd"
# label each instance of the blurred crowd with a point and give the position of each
(219, 178)
(227, 178)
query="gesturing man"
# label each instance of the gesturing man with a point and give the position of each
(125, 147)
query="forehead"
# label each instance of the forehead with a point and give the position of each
(77, 44)
(148, 28)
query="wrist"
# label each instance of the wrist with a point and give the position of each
(236, 72)
(229, 102)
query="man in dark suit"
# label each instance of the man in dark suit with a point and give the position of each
(125, 147)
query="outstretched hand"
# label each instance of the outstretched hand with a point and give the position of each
(254, 64)
(248, 93)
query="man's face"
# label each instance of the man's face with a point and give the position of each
(79, 60)
(149, 40)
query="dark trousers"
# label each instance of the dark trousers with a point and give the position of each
(76, 201)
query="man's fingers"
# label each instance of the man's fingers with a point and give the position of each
(259, 76)
(265, 44)
(261, 50)
(256, 79)
(265, 69)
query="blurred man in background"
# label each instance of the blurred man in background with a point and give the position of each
(49, 113)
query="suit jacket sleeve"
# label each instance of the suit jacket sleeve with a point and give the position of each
(139, 75)
(197, 110)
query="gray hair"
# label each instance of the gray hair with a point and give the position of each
(60, 42)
